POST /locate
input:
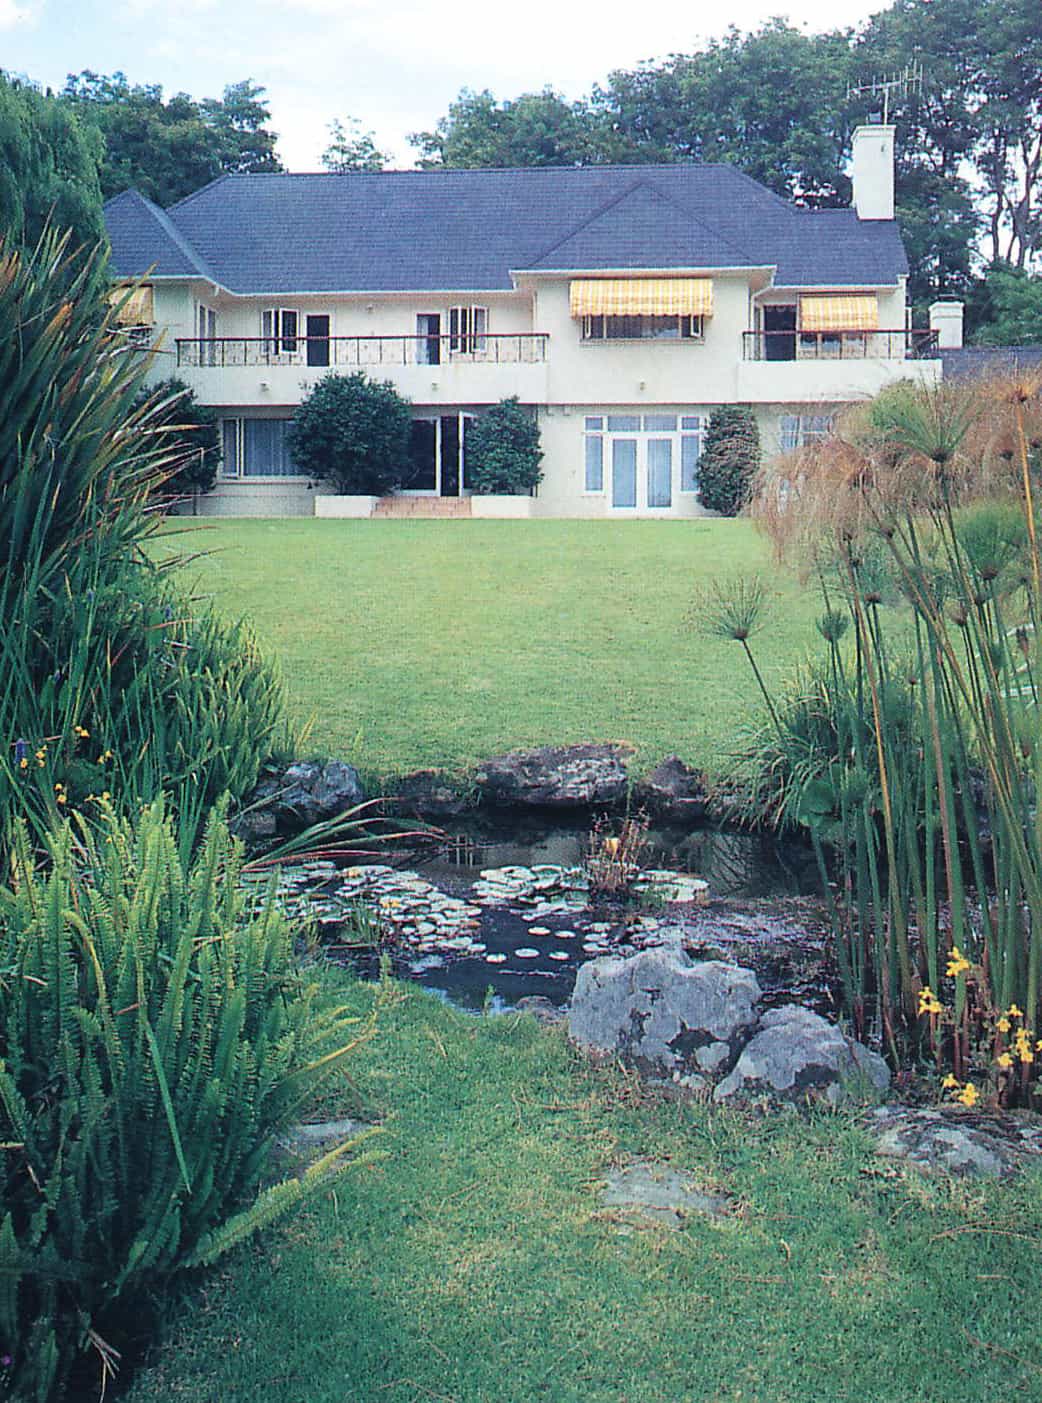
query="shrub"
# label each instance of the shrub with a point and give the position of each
(503, 453)
(353, 432)
(155, 1037)
(99, 655)
(187, 433)
(730, 459)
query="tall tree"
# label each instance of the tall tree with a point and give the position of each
(168, 147)
(48, 168)
(352, 149)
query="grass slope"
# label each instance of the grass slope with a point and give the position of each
(475, 1264)
(438, 643)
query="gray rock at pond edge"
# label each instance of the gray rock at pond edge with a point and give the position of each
(542, 1009)
(796, 1054)
(556, 777)
(965, 1143)
(659, 1193)
(658, 1008)
(672, 791)
(304, 793)
(427, 794)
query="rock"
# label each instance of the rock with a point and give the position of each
(543, 1010)
(659, 1193)
(556, 777)
(949, 1139)
(672, 791)
(426, 794)
(796, 1053)
(304, 793)
(658, 1008)
(302, 1143)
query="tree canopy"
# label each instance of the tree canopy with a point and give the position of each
(351, 148)
(48, 168)
(169, 147)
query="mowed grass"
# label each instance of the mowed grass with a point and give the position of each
(476, 1263)
(439, 643)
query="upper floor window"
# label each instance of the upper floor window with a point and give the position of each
(206, 323)
(280, 330)
(643, 328)
(468, 327)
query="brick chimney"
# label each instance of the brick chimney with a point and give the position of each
(873, 171)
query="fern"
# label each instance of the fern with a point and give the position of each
(154, 1041)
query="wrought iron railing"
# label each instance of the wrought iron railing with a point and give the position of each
(317, 352)
(838, 345)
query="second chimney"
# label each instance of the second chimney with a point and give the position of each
(873, 171)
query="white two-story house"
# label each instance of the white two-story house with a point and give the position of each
(622, 304)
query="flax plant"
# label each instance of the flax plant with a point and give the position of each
(927, 784)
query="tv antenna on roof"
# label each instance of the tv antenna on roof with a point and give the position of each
(903, 84)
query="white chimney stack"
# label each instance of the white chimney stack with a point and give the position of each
(946, 320)
(873, 172)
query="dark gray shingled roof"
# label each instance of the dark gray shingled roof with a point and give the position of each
(977, 362)
(467, 230)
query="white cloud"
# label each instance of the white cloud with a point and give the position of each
(11, 13)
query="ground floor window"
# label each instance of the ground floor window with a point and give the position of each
(257, 448)
(798, 430)
(642, 460)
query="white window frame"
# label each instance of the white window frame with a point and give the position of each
(598, 328)
(686, 427)
(206, 331)
(468, 329)
(277, 339)
(239, 430)
(795, 431)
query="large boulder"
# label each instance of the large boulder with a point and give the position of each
(556, 777)
(426, 794)
(303, 794)
(673, 792)
(796, 1054)
(662, 1012)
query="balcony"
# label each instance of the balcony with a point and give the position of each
(838, 345)
(362, 352)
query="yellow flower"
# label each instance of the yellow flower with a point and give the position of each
(929, 1002)
(1022, 1046)
(1003, 1024)
(950, 1082)
(957, 963)
(105, 756)
(611, 846)
(1014, 1012)
(969, 1095)
(82, 732)
(23, 764)
(1004, 1059)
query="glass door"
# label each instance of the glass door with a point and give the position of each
(659, 473)
(316, 331)
(624, 472)
(641, 474)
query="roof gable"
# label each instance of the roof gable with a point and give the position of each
(642, 228)
(144, 239)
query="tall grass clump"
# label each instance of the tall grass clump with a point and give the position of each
(111, 680)
(154, 1039)
(913, 749)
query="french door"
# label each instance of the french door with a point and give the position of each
(641, 474)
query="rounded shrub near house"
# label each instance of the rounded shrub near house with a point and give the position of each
(730, 459)
(503, 452)
(353, 432)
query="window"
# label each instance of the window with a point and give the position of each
(633, 457)
(468, 327)
(279, 328)
(257, 448)
(797, 430)
(206, 320)
(643, 328)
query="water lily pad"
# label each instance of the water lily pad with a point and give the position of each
(525, 952)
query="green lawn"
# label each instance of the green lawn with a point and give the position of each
(439, 643)
(475, 1264)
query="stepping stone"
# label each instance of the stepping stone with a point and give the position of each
(657, 1193)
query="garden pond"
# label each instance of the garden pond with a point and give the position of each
(503, 911)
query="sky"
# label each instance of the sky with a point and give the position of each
(395, 65)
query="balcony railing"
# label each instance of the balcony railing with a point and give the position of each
(318, 352)
(838, 345)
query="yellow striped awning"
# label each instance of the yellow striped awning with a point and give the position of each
(649, 297)
(840, 312)
(135, 307)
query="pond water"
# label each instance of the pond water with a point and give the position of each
(482, 944)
